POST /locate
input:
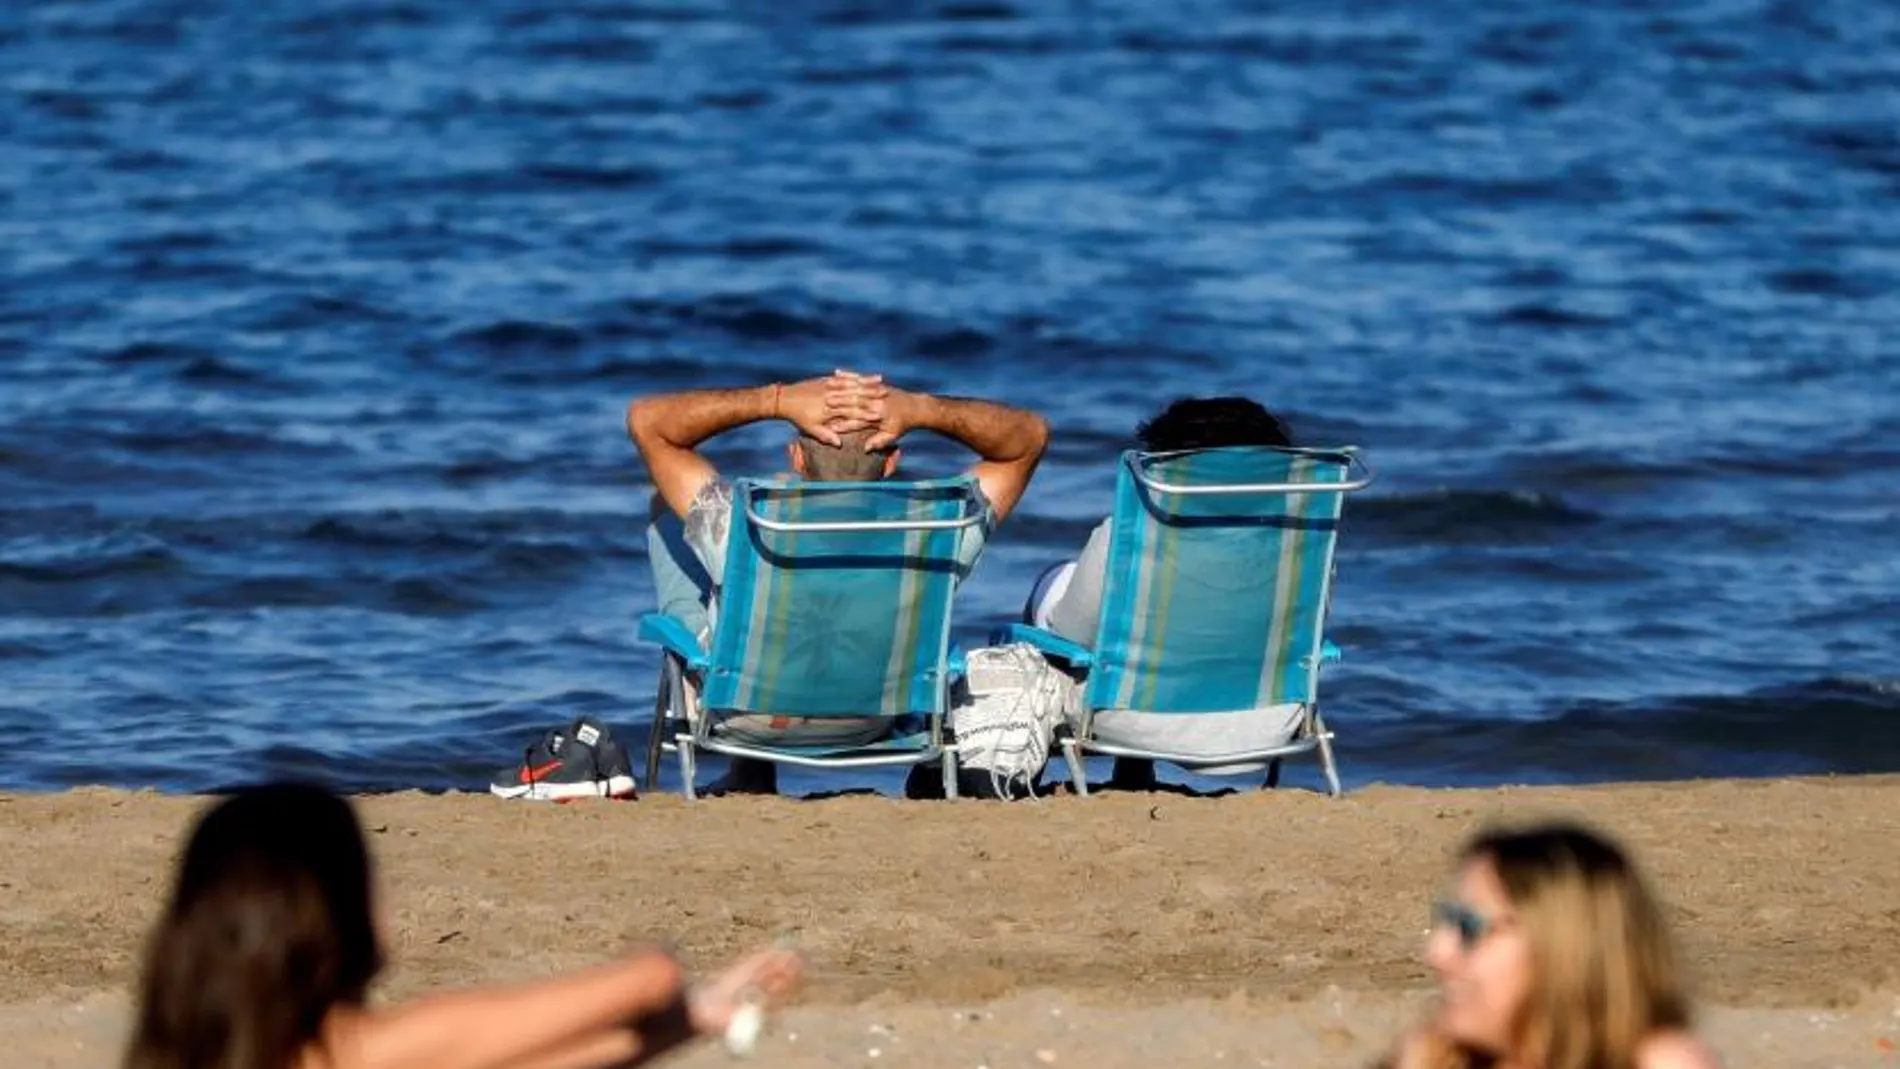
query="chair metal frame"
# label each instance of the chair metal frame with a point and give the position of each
(1312, 733)
(680, 721)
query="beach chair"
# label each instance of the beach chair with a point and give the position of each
(835, 603)
(1219, 576)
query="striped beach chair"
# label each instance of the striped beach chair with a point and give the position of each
(835, 604)
(1220, 566)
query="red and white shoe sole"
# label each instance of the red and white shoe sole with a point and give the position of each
(612, 787)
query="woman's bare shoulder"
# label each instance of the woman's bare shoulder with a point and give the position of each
(1418, 1048)
(1675, 1050)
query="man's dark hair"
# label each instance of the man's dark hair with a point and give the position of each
(1210, 423)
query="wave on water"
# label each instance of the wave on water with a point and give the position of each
(78, 563)
(591, 348)
(1466, 516)
(1829, 724)
(108, 557)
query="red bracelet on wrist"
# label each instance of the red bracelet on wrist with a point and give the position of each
(778, 393)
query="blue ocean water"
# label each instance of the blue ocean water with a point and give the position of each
(318, 317)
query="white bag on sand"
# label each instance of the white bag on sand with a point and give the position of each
(1007, 715)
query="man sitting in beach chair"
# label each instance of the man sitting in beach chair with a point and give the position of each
(1067, 599)
(848, 427)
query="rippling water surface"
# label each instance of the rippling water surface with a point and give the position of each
(317, 318)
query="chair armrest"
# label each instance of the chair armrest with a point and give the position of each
(674, 637)
(958, 662)
(1051, 644)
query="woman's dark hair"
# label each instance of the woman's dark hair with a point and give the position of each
(269, 927)
(1210, 423)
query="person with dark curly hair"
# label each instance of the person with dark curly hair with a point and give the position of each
(1068, 597)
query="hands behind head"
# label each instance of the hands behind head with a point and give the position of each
(841, 403)
(867, 402)
(817, 408)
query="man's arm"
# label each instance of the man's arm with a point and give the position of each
(668, 428)
(1010, 440)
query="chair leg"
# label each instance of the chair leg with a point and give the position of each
(1273, 773)
(687, 771)
(950, 773)
(1326, 762)
(1078, 773)
(662, 705)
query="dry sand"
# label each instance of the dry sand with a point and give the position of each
(1271, 928)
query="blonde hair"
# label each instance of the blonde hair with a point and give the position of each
(1605, 975)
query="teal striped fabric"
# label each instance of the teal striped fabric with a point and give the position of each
(839, 624)
(1215, 603)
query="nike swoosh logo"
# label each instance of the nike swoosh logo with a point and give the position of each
(535, 772)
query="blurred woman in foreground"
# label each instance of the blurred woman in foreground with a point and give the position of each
(265, 953)
(1551, 953)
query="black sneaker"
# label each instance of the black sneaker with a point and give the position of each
(582, 760)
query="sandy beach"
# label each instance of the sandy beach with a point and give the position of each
(1264, 929)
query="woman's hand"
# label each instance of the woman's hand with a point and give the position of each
(758, 979)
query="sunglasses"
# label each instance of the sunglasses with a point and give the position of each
(1470, 926)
